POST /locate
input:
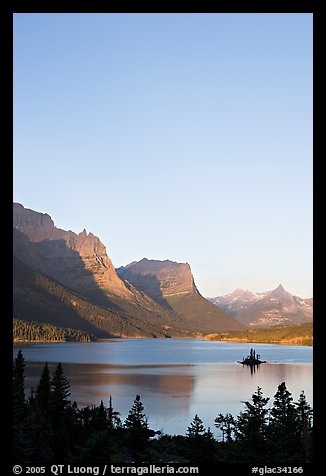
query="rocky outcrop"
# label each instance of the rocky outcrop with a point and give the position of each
(160, 279)
(172, 285)
(37, 226)
(78, 261)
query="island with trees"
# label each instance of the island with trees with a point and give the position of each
(49, 428)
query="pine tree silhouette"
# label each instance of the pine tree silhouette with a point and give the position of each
(305, 413)
(60, 390)
(226, 423)
(138, 430)
(284, 428)
(113, 417)
(58, 412)
(196, 428)
(42, 394)
(19, 408)
(251, 428)
(136, 420)
(18, 389)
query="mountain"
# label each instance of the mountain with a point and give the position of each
(268, 308)
(68, 280)
(77, 261)
(50, 263)
(237, 301)
(37, 297)
(172, 285)
(159, 279)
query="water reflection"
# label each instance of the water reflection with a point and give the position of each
(176, 378)
(173, 394)
(253, 367)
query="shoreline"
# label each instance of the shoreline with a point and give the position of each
(295, 341)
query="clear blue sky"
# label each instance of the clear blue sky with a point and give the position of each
(172, 136)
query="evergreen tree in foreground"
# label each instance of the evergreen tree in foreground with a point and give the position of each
(284, 428)
(60, 391)
(114, 421)
(43, 390)
(51, 430)
(138, 432)
(226, 423)
(60, 415)
(196, 428)
(19, 407)
(201, 443)
(18, 389)
(305, 413)
(251, 428)
(136, 420)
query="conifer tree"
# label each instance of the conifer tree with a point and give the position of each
(283, 408)
(18, 389)
(60, 390)
(42, 395)
(200, 442)
(100, 420)
(226, 423)
(113, 417)
(284, 428)
(196, 428)
(138, 432)
(19, 408)
(251, 428)
(305, 413)
(59, 414)
(136, 420)
(208, 435)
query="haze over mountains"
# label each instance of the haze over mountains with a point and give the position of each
(67, 279)
(267, 308)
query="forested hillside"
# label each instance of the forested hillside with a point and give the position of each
(292, 334)
(24, 331)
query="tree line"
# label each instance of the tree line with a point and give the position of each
(50, 429)
(24, 331)
(301, 334)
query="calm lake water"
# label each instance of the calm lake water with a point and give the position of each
(176, 378)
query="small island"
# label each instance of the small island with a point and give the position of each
(252, 359)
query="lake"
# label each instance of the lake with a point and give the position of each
(176, 378)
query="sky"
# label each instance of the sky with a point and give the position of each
(172, 136)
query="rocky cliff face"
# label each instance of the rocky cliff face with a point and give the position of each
(172, 286)
(37, 226)
(160, 279)
(78, 261)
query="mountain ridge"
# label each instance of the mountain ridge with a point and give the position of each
(172, 285)
(267, 308)
(79, 264)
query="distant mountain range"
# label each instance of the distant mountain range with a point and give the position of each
(267, 308)
(67, 279)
